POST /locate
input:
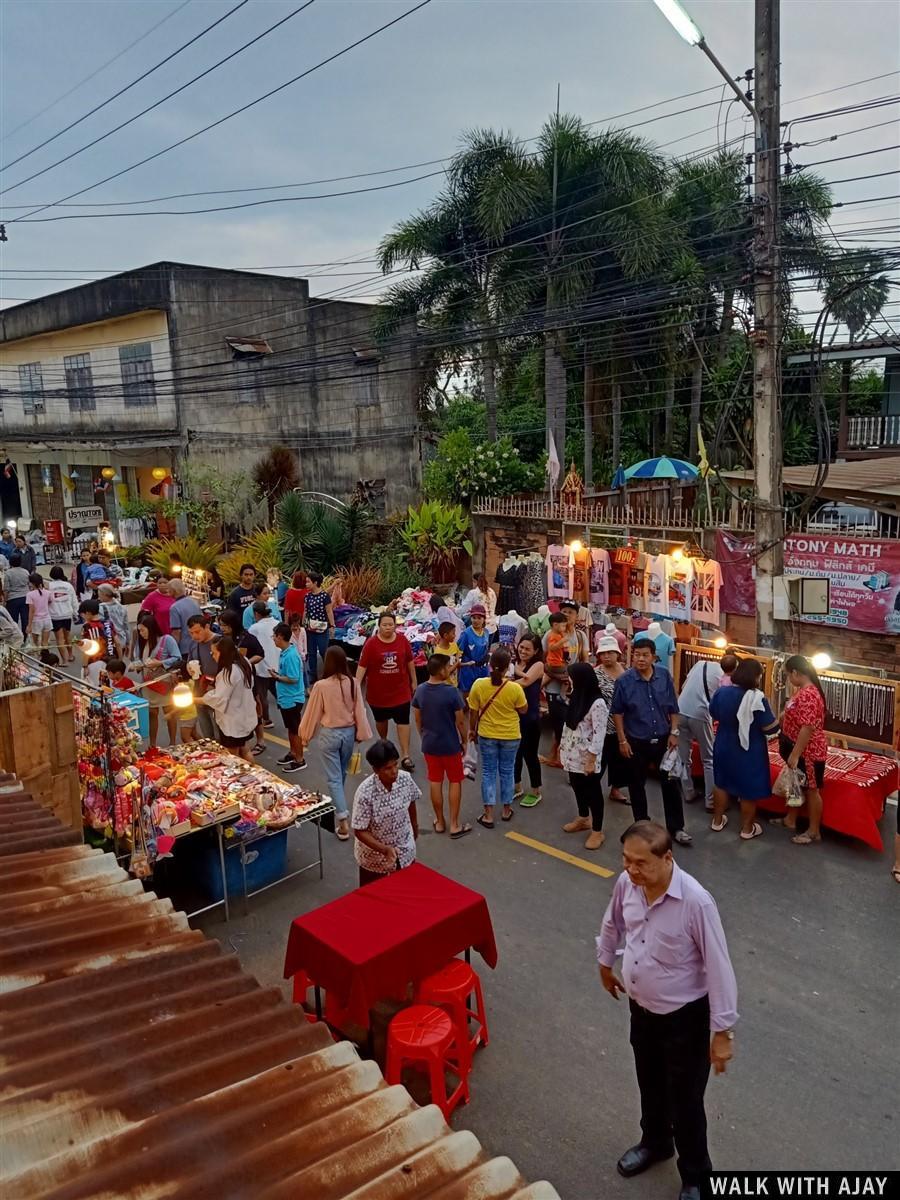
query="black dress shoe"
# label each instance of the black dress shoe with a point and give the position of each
(689, 1193)
(639, 1158)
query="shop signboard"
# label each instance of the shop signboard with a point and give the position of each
(53, 532)
(84, 518)
(863, 573)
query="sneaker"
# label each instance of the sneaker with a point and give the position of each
(268, 724)
(293, 765)
(284, 760)
(683, 838)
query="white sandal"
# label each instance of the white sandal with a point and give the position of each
(755, 831)
(718, 828)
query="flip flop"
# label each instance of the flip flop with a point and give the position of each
(895, 871)
(407, 764)
(803, 839)
(756, 831)
(529, 800)
(484, 824)
(507, 816)
(461, 832)
(436, 830)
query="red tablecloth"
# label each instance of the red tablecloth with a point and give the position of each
(371, 944)
(853, 795)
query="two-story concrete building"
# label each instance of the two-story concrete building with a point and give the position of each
(172, 363)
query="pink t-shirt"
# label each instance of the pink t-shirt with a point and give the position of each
(39, 603)
(158, 606)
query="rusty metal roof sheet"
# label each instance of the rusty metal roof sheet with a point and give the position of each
(138, 1061)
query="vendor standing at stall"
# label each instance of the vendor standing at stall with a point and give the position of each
(385, 823)
(386, 664)
(231, 698)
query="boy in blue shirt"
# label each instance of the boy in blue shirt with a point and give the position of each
(290, 693)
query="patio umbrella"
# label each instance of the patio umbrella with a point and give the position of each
(662, 468)
(618, 480)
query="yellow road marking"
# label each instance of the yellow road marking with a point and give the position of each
(561, 854)
(270, 737)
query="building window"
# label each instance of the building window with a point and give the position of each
(249, 386)
(31, 385)
(138, 384)
(80, 383)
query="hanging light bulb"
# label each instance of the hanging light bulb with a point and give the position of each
(576, 546)
(182, 696)
(108, 472)
(720, 642)
(821, 661)
(90, 647)
(159, 473)
(677, 554)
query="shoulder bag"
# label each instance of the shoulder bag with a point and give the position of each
(485, 707)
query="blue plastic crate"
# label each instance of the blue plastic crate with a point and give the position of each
(139, 711)
(266, 863)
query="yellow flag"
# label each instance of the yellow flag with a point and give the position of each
(704, 462)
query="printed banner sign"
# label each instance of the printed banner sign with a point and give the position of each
(84, 518)
(864, 577)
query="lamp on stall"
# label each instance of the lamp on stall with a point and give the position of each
(720, 641)
(176, 568)
(182, 696)
(576, 546)
(821, 660)
(678, 553)
(90, 647)
(11, 524)
(159, 474)
(108, 473)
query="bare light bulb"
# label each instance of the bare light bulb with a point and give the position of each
(821, 661)
(182, 696)
(90, 648)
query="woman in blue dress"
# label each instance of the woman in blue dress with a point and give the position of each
(740, 754)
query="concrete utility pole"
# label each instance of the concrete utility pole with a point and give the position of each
(767, 445)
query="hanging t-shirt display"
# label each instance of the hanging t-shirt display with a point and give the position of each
(598, 582)
(681, 587)
(510, 628)
(705, 598)
(580, 574)
(621, 560)
(656, 590)
(559, 572)
(636, 584)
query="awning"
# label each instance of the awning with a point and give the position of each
(249, 347)
(868, 482)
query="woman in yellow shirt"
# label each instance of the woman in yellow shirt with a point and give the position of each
(496, 703)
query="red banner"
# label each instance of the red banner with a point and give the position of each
(864, 577)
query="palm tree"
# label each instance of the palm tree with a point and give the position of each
(583, 205)
(467, 282)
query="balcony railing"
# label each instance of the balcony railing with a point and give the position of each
(874, 433)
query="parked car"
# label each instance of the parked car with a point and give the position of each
(846, 518)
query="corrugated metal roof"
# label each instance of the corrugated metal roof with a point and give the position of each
(868, 478)
(139, 1061)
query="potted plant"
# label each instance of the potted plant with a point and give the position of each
(435, 536)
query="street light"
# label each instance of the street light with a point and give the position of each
(686, 29)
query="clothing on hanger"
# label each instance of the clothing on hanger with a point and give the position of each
(681, 588)
(656, 585)
(707, 585)
(559, 572)
(598, 585)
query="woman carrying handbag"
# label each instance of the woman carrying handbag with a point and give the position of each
(496, 704)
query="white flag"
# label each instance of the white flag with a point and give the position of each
(552, 461)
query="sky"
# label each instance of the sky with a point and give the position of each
(401, 98)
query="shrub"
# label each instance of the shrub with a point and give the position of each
(191, 552)
(462, 469)
(434, 535)
(262, 547)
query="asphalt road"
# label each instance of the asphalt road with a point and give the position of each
(814, 934)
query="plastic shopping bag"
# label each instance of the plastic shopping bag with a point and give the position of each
(470, 759)
(789, 785)
(673, 764)
(354, 766)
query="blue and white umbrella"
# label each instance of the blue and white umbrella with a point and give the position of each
(661, 468)
(618, 480)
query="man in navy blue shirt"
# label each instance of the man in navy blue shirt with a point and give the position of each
(645, 713)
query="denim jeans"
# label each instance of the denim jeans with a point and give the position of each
(316, 644)
(336, 746)
(498, 756)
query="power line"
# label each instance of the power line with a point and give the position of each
(87, 78)
(244, 107)
(156, 104)
(115, 96)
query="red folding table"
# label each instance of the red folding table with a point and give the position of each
(371, 944)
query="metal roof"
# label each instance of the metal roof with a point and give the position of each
(867, 480)
(139, 1061)
(877, 347)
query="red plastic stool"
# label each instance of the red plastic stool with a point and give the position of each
(450, 989)
(423, 1034)
(333, 1013)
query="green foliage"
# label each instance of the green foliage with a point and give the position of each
(462, 469)
(213, 497)
(397, 574)
(315, 537)
(262, 547)
(190, 550)
(275, 474)
(133, 507)
(434, 535)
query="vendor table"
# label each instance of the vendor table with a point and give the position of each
(853, 795)
(242, 846)
(371, 944)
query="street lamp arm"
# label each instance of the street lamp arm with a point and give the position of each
(751, 108)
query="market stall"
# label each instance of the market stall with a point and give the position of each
(200, 786)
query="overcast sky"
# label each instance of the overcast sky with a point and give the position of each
(400, 99)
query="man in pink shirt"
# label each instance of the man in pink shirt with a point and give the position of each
(682, 993)
(158, 604)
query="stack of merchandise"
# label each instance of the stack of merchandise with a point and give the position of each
(202, 784)
(108, 775)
